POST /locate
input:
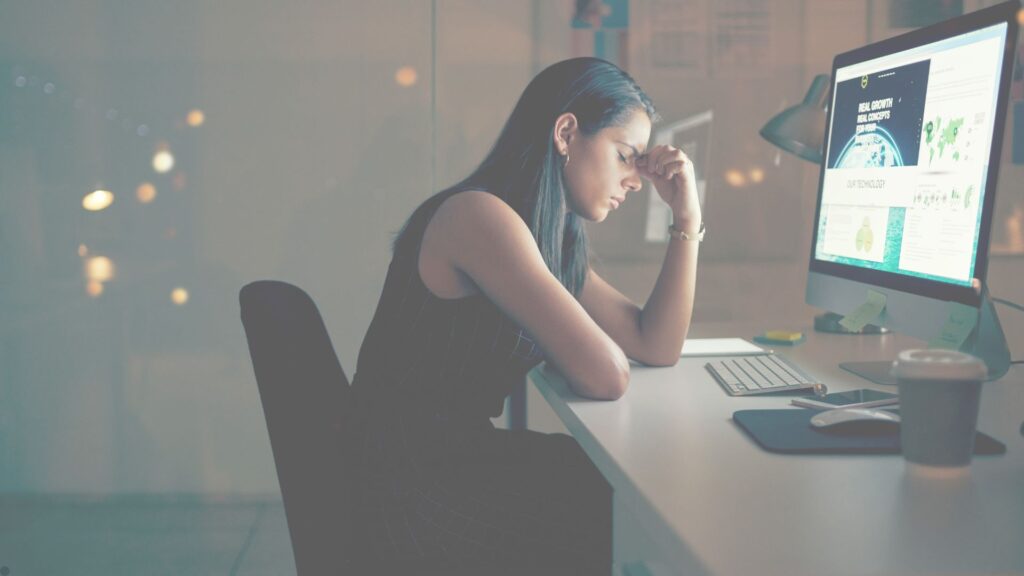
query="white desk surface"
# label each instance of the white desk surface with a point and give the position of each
(715, 503)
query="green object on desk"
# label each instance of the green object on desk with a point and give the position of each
(865, 313)
(958, 327)
(768, 338)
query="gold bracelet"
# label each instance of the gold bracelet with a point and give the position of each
(679, 233)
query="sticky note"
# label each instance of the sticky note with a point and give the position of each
(865, 313)
(765, 340)
(959, 324)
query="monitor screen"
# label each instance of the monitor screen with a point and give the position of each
(906, 159)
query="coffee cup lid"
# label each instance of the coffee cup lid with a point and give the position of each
(920, 364)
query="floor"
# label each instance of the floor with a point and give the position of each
(161, 535)
(130, 535)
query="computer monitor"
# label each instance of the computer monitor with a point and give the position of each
(907, 188)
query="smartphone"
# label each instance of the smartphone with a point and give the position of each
(863, 398)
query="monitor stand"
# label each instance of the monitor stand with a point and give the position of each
(987, 342)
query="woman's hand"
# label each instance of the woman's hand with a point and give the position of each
(672, 174)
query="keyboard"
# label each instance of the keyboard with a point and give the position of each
(762, 374)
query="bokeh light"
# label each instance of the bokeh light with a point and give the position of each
(99, 269)
(179, 296)
(735, 178)
(83, 250)
(97, 200)
(195, 118)
(756, 175)
(94, 288)
(405, 76)
(146, 192)
(163, 160)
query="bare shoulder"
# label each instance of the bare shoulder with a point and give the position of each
(476, 209)
(472, 224)
(477, 221)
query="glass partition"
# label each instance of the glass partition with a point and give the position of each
(155, 157)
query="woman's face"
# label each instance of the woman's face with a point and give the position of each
(602, 168)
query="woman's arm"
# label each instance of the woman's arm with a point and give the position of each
(654, 335)
(482, 237)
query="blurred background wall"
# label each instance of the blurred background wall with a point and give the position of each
(258, 139)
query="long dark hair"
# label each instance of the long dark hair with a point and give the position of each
(525, 170)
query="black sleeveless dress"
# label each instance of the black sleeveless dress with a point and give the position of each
(443, 488)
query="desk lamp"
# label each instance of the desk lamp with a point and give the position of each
(800, 130)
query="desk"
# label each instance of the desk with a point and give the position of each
(711, 502)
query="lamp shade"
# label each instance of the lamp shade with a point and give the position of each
(801, 128)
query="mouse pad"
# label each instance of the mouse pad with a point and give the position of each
(790, 432)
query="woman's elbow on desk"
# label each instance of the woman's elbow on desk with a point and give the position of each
(620, 386)
(611, 391)
(611, 386)
(665, 362)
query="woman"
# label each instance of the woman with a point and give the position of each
(488, 278)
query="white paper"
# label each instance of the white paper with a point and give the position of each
(743, 39)
(721, 347)
(678, 37)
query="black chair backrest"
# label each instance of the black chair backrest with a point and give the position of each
(305, 396)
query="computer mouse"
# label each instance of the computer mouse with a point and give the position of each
(857, 422)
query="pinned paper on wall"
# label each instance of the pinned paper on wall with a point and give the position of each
(959, 324)
(607, 22)
(678, 33)
(867, 312)
(743, 39)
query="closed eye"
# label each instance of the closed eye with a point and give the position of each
(624, 159)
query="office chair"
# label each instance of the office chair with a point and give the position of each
(306, 401)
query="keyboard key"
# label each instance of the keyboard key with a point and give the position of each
(728, 376)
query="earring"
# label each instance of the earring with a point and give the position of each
(566, 154)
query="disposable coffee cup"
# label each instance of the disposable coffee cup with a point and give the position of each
(940, 391)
